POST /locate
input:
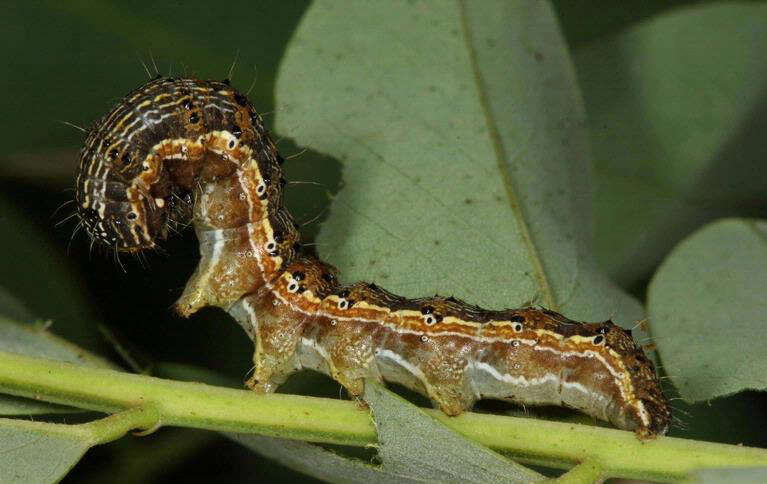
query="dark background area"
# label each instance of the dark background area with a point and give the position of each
(70, 61)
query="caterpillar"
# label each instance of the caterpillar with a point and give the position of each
(176, 151)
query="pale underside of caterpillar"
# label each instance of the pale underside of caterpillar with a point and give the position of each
(180, 150)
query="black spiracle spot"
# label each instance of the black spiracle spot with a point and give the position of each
(598, 340)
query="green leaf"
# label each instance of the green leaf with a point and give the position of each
(35, 455)
(708, 310)
(39, 452)
(427, 452)
(677, 111)
(313, 460)
(466, 160)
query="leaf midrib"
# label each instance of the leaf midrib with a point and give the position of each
(539, 274)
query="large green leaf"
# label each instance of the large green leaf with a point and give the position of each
(677, 108)
(466, 160)
(708, 309)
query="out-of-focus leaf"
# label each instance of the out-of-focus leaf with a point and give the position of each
(677, 107)
(756, 475)
(35, 340)
(31, 339)
(97, 57)
(585, 20)
(33, 272)
(12, 308)
(709, 312)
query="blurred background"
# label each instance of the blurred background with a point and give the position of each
(675, 93)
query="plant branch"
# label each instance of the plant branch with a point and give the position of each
(555, 444)
(586, 472)
(99, 431)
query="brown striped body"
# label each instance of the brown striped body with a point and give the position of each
(177, 149)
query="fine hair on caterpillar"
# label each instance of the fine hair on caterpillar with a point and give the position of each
(178, 151)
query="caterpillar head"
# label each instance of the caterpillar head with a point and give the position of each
(112, 209)
(647, 390)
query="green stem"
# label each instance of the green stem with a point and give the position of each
(99, 431)
(586, 472)
(555, 444)
(146, 418)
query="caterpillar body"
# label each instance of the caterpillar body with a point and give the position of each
(180, 150)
